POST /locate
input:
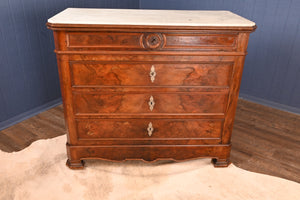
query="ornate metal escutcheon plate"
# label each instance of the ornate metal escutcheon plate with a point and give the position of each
(151, 103)
(150, 129)
(152, 73)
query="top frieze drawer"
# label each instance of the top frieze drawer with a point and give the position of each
(151, 41)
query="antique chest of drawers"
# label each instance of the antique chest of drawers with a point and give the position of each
(149, 84)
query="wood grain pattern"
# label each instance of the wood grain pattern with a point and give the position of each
(139, 103)
(201, 41)
(214, 39)
(208, 89)
(48, 124)
(137, 129)
(265, 140)
(103, 40)
(138, 74)
(145, 41)
(147, 153)
(150, 57)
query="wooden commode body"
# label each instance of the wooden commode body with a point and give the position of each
(149, 84)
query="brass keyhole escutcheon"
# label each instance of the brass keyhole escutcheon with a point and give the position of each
(150, 129)
(151, 103)
(152, 73)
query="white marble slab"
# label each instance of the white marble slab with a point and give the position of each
(149, 17)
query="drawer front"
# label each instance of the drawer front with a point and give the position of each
(151, 41)
(148, 128)
(149, 103)
(110, 74)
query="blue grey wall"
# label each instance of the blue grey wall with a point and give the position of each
(272, 68)
(28, 71)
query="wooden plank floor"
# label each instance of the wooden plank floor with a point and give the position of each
(264, 139)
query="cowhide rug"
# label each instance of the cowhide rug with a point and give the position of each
(39, 172)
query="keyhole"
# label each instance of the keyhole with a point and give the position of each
(153, 40)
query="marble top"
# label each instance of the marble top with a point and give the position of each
(149, 17)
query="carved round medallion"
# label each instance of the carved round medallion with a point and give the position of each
(153, 40)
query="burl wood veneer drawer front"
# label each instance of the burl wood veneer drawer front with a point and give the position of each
(151, 41)
(149, 103)
(141, 74)
(148, 128)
